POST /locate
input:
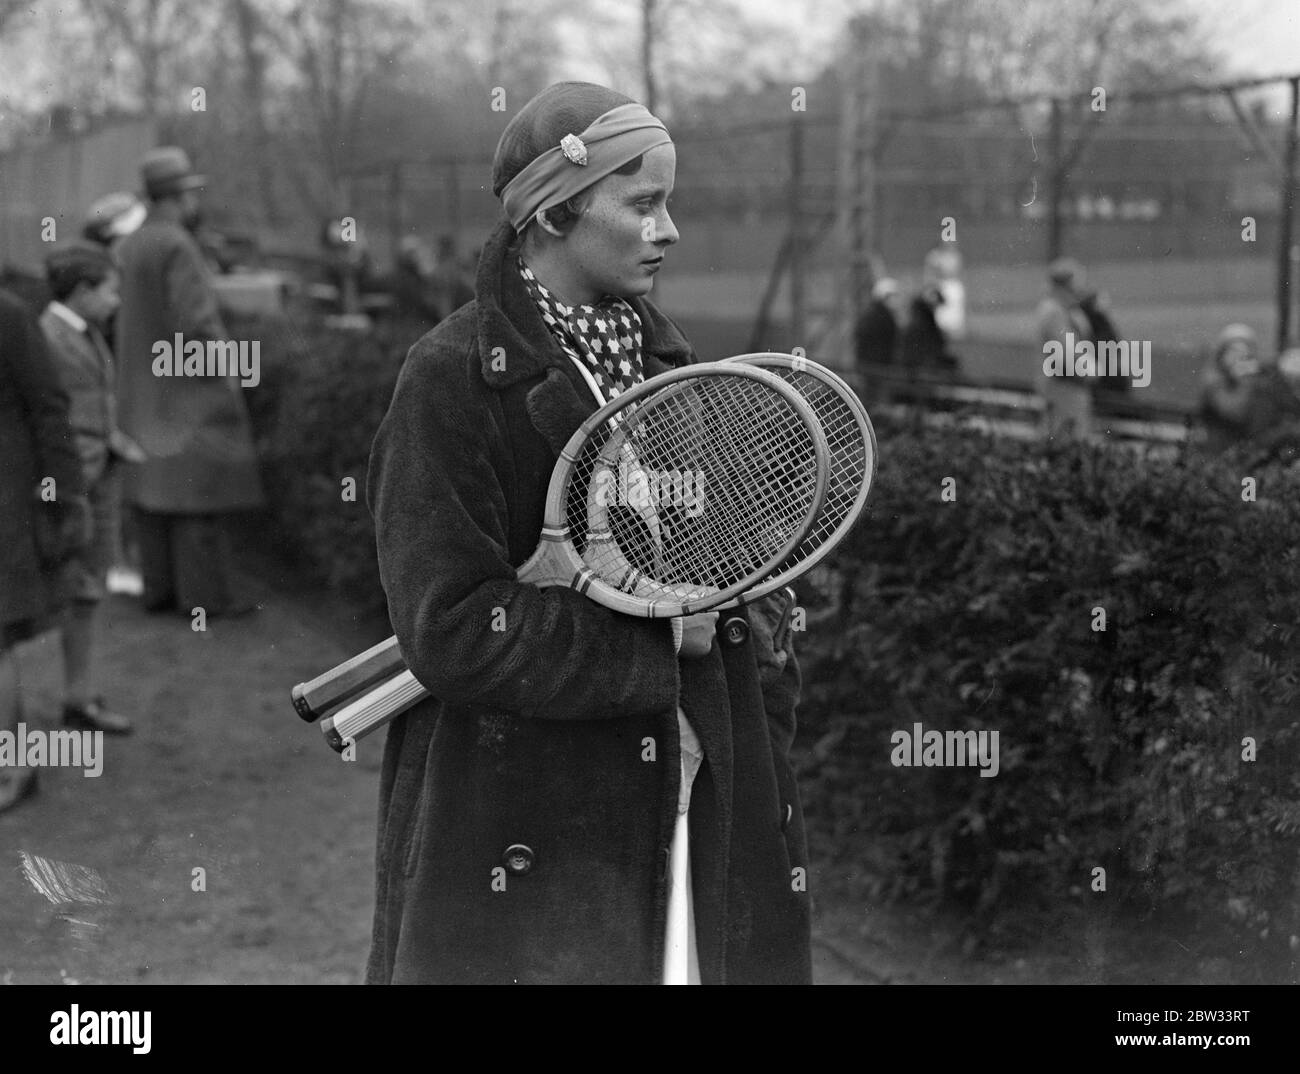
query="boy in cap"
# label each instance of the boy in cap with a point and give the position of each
(84, 282)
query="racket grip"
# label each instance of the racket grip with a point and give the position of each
(372, 710)
(330, 689)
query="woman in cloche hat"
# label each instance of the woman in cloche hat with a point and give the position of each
(529, 807)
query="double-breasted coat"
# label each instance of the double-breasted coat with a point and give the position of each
(527, 808)
(36, 442)
(195, 430)
(86, 369)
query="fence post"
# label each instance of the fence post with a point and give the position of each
(1287, 221)
(395, 221)
(453, 194)
(857, 176)
(1056, 178)
(798, 311)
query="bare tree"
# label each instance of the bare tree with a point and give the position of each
(10, 8)
(254, 43)
(649, 34)
(520, 41)
(158, 35)
(1007, 47)
(338, 49)
(698, 48)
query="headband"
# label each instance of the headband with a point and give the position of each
(580, 160)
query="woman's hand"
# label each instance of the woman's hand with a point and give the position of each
(697, 634)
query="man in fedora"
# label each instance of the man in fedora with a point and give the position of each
(200, 464)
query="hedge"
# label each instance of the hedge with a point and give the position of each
(1121, 748)
(1126, 749)
(315, 413)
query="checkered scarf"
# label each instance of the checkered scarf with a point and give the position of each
(606, 337)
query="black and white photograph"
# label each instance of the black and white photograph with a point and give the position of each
(651, 492)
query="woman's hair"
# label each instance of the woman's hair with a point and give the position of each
(560, 109)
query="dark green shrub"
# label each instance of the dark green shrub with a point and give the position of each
(1119, 749)
(322, 397)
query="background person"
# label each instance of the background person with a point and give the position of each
(201, 466)
(942, 269)
(1228, 393)
(113, 217)
(36, 443)
(1096, 309)
(411, 284)
(109, 220)
(1068, 398)
(924, 347)
(453, 286)
(1247, 400)
(876, 335)
(84, 283)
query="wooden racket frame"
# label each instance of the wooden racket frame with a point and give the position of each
(837, 384)
(544, 567)
(345, 689)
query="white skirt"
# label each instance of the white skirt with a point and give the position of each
(681, 959)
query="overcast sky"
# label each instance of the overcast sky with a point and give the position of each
(1261, 36)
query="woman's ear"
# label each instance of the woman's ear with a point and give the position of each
(546, 224)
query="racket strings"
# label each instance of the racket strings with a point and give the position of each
(706, 483)
(849, 459)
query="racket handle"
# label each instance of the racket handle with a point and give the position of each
(372, 710)
(330, 689)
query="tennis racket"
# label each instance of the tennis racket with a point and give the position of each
(674, 498)
(334, 688)
(852, 444)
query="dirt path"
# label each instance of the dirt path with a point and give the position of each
(221, 777)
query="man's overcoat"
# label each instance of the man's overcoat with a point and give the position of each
(526, 810)
(196, 429)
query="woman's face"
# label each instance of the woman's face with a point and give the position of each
(617, 245)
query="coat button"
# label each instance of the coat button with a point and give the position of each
(735, 630)
(518, 859)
